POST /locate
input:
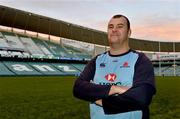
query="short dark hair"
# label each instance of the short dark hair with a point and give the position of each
(119, 16)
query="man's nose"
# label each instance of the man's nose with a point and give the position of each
(114, 29)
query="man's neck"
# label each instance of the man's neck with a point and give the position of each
(119, 50)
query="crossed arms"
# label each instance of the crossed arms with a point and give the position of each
(137, 97)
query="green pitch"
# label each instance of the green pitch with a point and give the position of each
(166, 103)
(51, 98)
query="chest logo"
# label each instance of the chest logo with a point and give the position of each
(102, 65)
(111, 77)
(125, 65)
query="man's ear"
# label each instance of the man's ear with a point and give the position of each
(129, 33)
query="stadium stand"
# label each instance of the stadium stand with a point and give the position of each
(80, 67)
(57, 50)
(37, 68)
(3, 43)
(32, 47)
(13, 45)
(5, 71)
(167, 68)
(23, 45)
(77, 53)
(13, 41)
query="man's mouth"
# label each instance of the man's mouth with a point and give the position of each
(114, 35)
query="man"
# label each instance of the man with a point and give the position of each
(118, 83)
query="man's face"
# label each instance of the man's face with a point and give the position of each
(118, 30)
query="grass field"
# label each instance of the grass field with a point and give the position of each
(51, 98)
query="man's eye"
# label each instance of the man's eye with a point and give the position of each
(119, 26)
(110, 27)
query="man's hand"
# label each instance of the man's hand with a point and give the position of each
(114, 90)
(118, 89)
(99, 102)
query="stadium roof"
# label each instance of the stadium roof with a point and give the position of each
(29, 21)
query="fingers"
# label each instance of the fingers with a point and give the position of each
(122, 89)
(99, 102)
(118, 90)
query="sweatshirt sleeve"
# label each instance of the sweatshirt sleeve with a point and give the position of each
(139, 96)
(84, 89)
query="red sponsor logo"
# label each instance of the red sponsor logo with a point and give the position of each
(125, 64)
(111, 77)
